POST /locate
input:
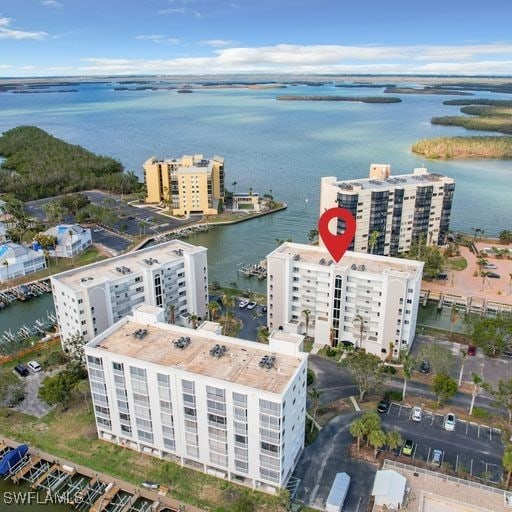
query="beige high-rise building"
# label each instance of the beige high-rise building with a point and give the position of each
(190, 184)
(366, 300)
(391, 212)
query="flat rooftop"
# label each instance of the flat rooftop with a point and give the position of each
(136, 261)
(433, 492)
(362, 262)
(239, 364)
(399, 181)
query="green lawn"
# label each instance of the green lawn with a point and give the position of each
(456, 263)
(72, 435)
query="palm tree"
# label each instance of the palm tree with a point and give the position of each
(213, 309)
(408, 363)
(313, 233)
(357, 429)
(373, 239)
(377, 438)
(454, 316)
(234, 184)
(464, 355)
(506, 462)
(477, 383)
(360, 319)
(229, 302)
(315, 403)
(306, 313)
(394, 439)
(193, 319)
(171, 318)
(484, 275)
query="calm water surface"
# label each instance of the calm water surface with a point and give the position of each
(268, 145)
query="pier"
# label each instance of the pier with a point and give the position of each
(24, 292)
(475, 305)
(258, 270)
(86, 490)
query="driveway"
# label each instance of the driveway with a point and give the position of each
(32, 405)
(327, 456)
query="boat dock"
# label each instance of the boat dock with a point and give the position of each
(85, 490)
(476, 305)
(24, 292)
(258, 270)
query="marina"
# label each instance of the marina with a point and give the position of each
(79, 488)
(24, 292)
(258, 270)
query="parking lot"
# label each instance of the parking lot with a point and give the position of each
(471, 447)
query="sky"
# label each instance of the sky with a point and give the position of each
(114, 37)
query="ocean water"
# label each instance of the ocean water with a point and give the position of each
(273, 145)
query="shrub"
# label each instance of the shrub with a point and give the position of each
(480, 413)
(396, 396)
(330, 352)
(310, 377)
(391, 370)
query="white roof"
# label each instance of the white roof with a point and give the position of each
(63, 232)
(389, 488)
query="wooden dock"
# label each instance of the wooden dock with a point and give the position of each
(44, 476)
(20, 475)
(103, 501)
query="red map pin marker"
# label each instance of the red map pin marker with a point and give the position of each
(337, 244)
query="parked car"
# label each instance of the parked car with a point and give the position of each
(34, 366)
(490, 265)
(417, 414)
(243, 304)
(21, 370)
(251, 305)
(264, 309)
(424, 366)
(471, 350)
(449, 422)
(383, 405)
(443, 276)
(493, 275)
(408, 447)
(437, 457)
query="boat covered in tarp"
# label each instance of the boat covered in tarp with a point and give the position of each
(11, 458)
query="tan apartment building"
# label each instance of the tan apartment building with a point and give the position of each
(398, 209)
(366, 300)
(190, 184)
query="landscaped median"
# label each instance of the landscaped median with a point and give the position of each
(71, 434)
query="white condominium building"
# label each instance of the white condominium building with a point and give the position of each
(229, 407)
(172, 275)
(397, 210)
(365, 299)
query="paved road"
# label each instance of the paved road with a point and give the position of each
(332, 381)
(478, 448)
(116, 243)
(327, 456)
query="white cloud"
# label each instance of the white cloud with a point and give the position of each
(158, 38)
(485, 59)
(8, 32)
(181, 10)
(217, 43)
(51, 3)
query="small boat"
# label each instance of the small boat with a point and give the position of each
(150, 485)
(11, 458)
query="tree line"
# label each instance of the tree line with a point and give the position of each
(38, 165)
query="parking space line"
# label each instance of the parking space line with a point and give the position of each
(478, 431)
(428, 456)
(457, 462)
(471, 468)
(467, 427)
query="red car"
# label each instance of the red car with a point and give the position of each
(471, 350)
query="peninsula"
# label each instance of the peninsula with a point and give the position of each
(362, 99)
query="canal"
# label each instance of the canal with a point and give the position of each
(18, 498)
(18, 313)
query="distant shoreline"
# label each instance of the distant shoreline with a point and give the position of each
(362, 99)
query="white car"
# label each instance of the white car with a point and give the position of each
(490, 265)
(449, 422)
(243, 304)
(34, 366)
(417, 414)
(251, 305)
